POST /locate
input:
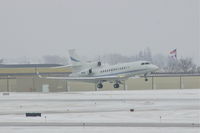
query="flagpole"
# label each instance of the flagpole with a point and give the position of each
(174, 54)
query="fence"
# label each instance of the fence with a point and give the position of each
(35, 84)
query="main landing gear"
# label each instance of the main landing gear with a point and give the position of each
(99, 85)
(116, 85)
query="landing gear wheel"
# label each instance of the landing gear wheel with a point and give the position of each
(99, 86)
(116, 85)
(146, 79)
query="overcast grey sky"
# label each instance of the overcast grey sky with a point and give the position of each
(34, 28)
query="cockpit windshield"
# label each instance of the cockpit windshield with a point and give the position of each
(145, 63)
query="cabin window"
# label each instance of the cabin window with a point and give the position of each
(145, 63)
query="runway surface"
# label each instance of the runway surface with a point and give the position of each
(103, 111)
(32, 124)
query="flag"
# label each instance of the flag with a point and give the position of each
(173, 53)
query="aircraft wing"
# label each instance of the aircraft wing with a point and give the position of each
(92, 78)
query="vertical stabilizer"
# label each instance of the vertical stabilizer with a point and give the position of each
(75, 61)
(74, 58)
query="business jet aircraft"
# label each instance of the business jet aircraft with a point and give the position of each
(95, 72)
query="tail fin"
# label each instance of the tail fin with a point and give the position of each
(74, 59)
(75, 62)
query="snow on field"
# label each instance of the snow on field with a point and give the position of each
(97, 130)
(153, 106)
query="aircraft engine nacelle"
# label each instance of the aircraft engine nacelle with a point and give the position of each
(87, 72)
(94, 64)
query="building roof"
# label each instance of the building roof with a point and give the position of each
(28, 65)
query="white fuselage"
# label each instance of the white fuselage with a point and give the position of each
(95, 72)
(124, 70)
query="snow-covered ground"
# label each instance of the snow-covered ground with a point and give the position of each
(150, 106)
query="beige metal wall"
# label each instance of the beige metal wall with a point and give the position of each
(34, 84)
(3, 85)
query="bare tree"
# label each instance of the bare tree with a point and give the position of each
(144, 55)
(187, 65)
(54, 59)
(198, 69)
(161, 61)
(1, 61)
(166, 64)
(172, 65)
(147, 54)
(23, 60)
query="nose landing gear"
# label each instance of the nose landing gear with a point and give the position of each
(145, 76)
(116, 85)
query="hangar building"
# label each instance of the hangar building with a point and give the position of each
(24, 78)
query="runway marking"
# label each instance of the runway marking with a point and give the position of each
(40, 124)
(86, 100)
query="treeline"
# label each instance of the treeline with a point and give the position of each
(165, 63)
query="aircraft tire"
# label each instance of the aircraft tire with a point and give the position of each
(99, 86)
(116, 85)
